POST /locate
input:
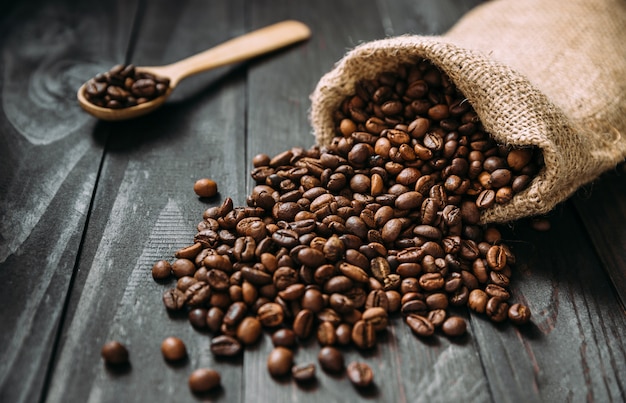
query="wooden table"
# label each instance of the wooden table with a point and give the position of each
(87, 207)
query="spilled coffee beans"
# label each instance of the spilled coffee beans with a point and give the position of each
(382, 222)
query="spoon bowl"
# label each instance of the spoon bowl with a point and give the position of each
(242, 48)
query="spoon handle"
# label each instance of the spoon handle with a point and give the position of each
(247, 46)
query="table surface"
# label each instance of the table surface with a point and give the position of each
(86, 208)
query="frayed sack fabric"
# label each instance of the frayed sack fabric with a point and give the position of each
(537, 73)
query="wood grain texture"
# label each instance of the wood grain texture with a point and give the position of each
(144, 210)
(602, 208)
(50, 157)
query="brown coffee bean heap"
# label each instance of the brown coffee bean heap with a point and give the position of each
(383, 221)
(122, 86)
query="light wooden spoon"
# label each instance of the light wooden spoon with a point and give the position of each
(235, 50)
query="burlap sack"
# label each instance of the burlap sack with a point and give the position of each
(537, 72)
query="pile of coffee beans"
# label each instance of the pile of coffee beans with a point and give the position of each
(383, 221)
(122, 86)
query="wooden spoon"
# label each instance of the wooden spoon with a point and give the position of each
(235, 50)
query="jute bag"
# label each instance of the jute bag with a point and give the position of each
(542, 73)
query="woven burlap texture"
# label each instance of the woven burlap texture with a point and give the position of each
(537, 73)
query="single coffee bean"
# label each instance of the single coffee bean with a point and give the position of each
(189, 252)
(497, 291)
(284, 338)
(271, 314)
(519, 314)
(326, 335)
(420, 325)
(114, 353)
(496, 257)
(249, 330)
(280, 361)
(205, 187)
(364, 334)
(454, 326)
(377, 316)
(161, 270)
(174, 299)
(204, 380)
(197, 317)
(173, 349)
(303, 323)
(360, 374)
(214, 318)
(183, 267)
(331, 359)
(437, 317)
(497, 309)
(303, 372)
(225, 346)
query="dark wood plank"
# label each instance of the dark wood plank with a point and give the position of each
(145, 209)
(602, 208)
(50, 154)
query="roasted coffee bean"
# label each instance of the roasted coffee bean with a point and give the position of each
(377, 316)
(280, 361)
(340, 303)
(203, 380)
(497, 309)
(420, 325)
(303, 323)
(174, 299)
(326, 335)
(329, 315)
(197, 294)
(303, 372)
(338, 284)
(197, 318)
(214, 318)
(360, 374)
(438, 300)
(331, 359)
(225, 346)
(454, 326)
(173, 349)
(205, 187)
(497, 291)
(185, 282)
(235, 314)
(377, 298)
(313, 299)
(283, 277)
(519, 314)
(183, 267)
(437, 317)
(114, 353)
(431, 281)
(271, 314)
(256, 276)
(364, 334)
(161, 270)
